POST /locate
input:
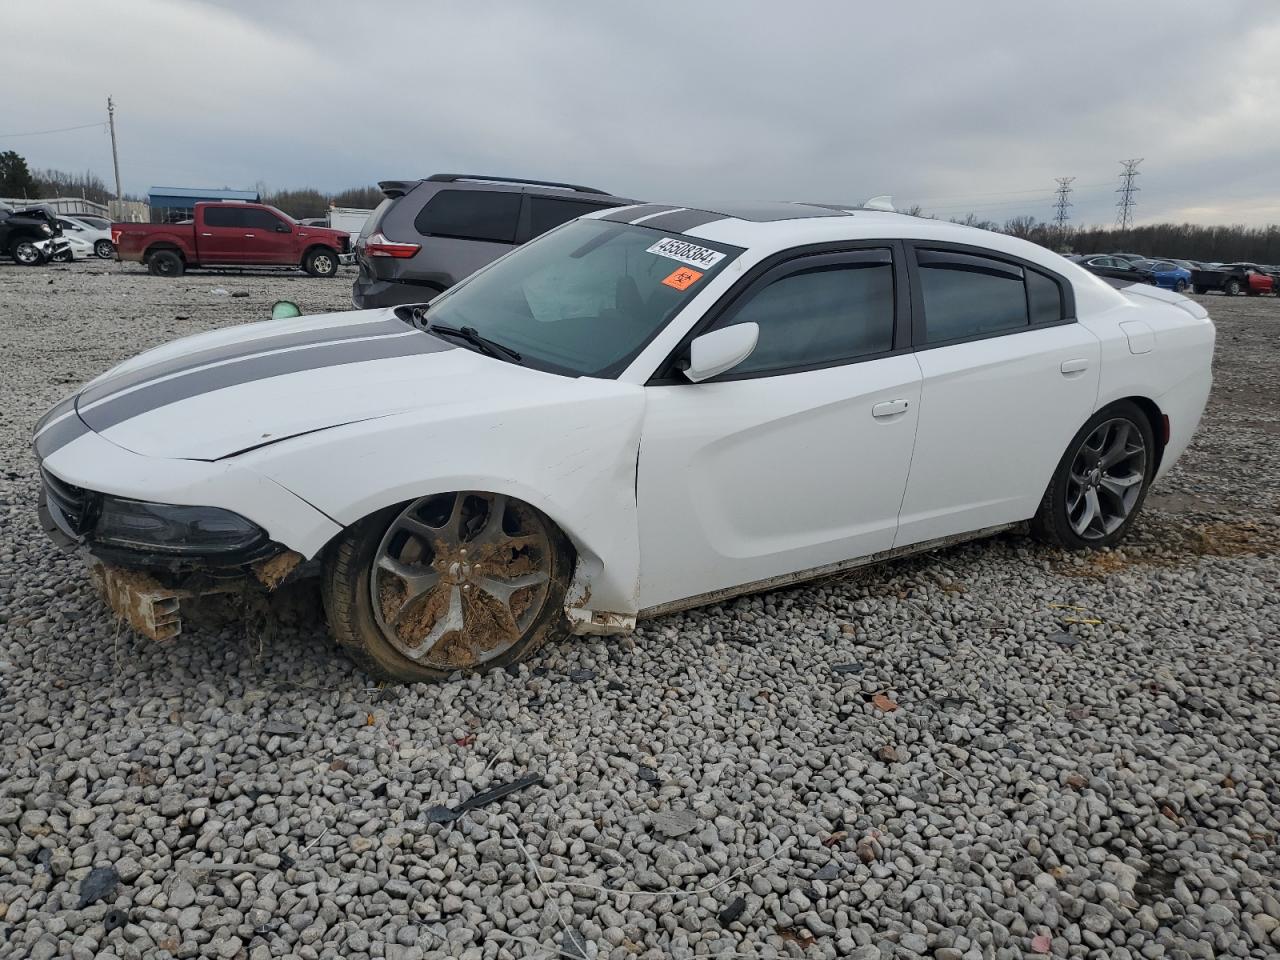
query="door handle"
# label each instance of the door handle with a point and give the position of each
(1070, 367)
(889, 408)
(250, 234)
(206, 234)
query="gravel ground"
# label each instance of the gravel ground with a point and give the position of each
(993, 751)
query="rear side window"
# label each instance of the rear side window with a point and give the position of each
(970, 296)
(224, 217)
(821, 315)
(1044, 298)
(471, 215)
(547, 213)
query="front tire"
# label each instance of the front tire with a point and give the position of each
(26, 253)
(321, 263)
(457, 581)
(1101, 482)
(1180, 286)
(63, 256)
(1232, 287)
(104, 249)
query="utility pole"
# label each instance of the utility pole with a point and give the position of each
(115, 157)
(1060, 215)
(1127, 188)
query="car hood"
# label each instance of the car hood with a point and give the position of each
(218, 394)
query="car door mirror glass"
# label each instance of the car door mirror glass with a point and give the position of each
(721, 350)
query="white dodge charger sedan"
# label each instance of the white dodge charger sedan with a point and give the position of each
(643, 410)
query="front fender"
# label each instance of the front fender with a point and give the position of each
(573, 456)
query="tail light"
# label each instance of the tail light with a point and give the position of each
(379, 246)
(115, 237)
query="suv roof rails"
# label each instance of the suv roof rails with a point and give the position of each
(451, 177)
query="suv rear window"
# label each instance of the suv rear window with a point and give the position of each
(471, 215)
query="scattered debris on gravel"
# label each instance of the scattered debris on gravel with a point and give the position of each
(997, 751)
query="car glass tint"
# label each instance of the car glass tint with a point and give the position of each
(585, 298)
(471, 215)
(820, 316)
(546, 213)
(256, 219)
(224, 217)
(1044, 298)
(970, 296)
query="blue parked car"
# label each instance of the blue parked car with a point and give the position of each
(1167, 274)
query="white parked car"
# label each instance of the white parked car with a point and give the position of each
(640, 411)
(87, 236)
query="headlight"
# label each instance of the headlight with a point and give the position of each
(168, 528)
(45, 228)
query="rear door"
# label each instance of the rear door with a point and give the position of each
(220, 233)
(1008, 378)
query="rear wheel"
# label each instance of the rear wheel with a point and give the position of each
(26, 253)
(1101, 482)
(456, 581)
(321, 263)
(1180, 286)
(104, 249)
(1232, 287)
(165, 263)
(64, 256)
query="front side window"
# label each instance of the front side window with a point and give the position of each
(585, 298)
(471, 215)
(821, 315)
(258, 219)
(970, 296)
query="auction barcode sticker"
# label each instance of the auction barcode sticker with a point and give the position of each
(686, 252)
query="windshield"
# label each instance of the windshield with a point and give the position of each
(585, 298)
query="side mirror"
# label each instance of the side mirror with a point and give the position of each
(284, 310)
(713, 353)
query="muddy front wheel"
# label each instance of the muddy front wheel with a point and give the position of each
(456, 581)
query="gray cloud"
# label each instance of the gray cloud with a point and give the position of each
(960, 106)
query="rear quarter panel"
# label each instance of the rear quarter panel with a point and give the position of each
(1176, 373)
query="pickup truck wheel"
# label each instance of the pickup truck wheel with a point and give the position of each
(321, 263)
(457, 581)
(26, 253)
(104, 249)
(1232, 287)
(165, 263)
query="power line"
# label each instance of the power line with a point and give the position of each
(1127, 188)
(40, 133)
(1060, 215)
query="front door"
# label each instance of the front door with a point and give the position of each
(798, 457)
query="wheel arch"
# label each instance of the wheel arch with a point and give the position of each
(315, 247)
(160, 245)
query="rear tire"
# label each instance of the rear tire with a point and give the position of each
(455, 589)
(104, 249)
(165, 263)
(321, 263)
(1101, 482)
(1180, 286)
(63, 256)
(1232, 287)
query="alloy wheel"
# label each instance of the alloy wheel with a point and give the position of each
(26, 253)
(322, 264)
(459, 578)
(1106, 479)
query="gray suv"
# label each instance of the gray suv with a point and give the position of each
(429, 234)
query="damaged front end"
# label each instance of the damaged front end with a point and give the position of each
(148, 558)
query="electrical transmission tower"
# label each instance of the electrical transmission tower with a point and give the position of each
(1060, 215)
(1127, 188)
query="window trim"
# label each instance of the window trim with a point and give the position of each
(775, 267)
(919, 333)
(515, 227)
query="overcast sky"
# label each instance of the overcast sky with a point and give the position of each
(959, 106)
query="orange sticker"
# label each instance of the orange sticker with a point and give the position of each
(683, 278)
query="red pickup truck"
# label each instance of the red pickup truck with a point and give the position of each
(232, 234)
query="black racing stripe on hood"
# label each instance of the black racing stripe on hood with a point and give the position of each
(65, 405)
(59, 435)
(632, 214)
(241, 348)
(176, 389)
(678, 221)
